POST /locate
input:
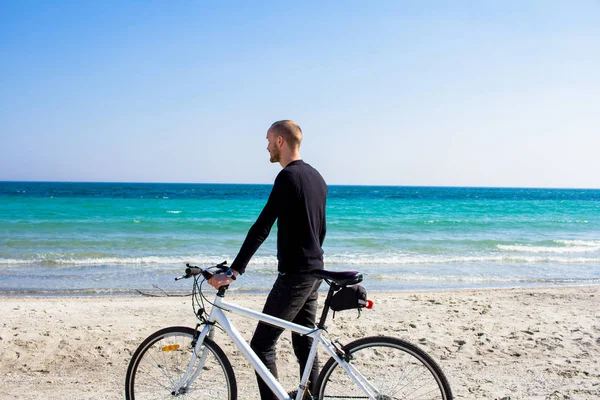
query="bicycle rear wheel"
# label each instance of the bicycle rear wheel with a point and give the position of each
(394, 368)
(161, 360)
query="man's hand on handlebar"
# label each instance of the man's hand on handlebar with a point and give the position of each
(219, 280)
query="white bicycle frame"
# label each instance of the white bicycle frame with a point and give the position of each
(217, 315)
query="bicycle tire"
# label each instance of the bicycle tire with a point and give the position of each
(161, 360)
(396, 368)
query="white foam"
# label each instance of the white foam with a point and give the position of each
(11, 261)
(548, 249)
(51, 259)
(341, 259)
(590, 243)
(474, 279)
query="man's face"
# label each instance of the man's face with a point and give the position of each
(272, 148)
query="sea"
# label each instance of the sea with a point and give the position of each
(73, 239)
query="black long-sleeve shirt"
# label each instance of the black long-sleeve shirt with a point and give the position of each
(297, 201)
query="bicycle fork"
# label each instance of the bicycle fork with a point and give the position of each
(182, 386)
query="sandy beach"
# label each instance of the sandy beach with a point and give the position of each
(528, 343)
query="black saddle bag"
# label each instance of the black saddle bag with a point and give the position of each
(349, 298)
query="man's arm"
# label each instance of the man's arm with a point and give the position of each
(262, 227)
(323, 231)
(256, 236)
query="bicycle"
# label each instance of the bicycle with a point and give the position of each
(186, 362)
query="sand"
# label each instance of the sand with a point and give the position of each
(528, 343)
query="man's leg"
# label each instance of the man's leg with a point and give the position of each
(287, 297)
(301, 344)
(263, 344)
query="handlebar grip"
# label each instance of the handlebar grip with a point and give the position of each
(192, 271)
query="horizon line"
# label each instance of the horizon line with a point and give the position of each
(329, 184)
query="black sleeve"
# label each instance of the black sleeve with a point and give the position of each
(323, 231)
(324, 222)
(262, 227)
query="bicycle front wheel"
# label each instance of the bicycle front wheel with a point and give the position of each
(390, 368)
(161, 360)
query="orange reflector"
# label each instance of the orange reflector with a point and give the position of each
(171, 347)
(369, 304)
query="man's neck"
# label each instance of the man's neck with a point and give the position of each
(285, 161)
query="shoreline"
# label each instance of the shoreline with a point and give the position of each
(133, 293)
(499, 343)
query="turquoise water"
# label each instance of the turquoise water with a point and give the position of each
(79, 238)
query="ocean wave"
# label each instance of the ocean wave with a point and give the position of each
(407, 260)
(478, 279)
(162, 260)
(342, 259)
(565, 246)
(73, 292)
(11, 261)
(590, 243)
(545, 249)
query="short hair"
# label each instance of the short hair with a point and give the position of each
(289, 130)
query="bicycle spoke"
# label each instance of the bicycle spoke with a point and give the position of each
(162, 363)
(160, 366)
(150, 376)
(394, 369)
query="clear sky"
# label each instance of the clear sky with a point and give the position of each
(452, 93)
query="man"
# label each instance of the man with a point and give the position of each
(297, 202)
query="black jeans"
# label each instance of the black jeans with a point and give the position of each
(293, 298)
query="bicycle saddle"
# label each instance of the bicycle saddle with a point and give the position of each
(341, 278)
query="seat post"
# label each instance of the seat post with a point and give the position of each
(332, 289)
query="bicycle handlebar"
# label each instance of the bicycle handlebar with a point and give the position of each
(192, 270)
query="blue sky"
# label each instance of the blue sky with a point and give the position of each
(461, 93)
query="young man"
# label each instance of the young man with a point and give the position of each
(297, 202)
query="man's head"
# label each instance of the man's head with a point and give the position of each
(284, 139)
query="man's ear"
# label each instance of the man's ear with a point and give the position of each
(280, 141)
